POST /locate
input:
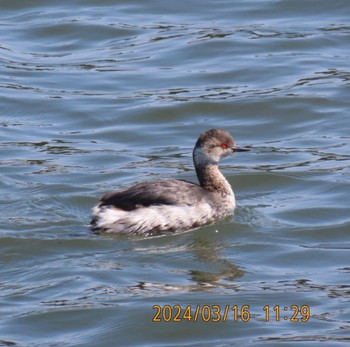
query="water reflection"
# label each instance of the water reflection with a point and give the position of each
(207, 253)
(203, 265)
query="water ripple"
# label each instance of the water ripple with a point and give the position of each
(96, 96)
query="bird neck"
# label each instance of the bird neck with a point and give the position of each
(211, 179)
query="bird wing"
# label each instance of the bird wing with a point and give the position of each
(161, 192)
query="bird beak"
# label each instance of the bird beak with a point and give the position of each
(240, 149)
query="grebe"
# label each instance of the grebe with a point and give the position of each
(171, 205)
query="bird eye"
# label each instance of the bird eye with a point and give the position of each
(223, 145)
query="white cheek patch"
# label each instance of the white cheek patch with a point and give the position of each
(203, 159)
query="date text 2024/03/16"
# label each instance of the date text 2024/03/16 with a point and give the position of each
(235, 313)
